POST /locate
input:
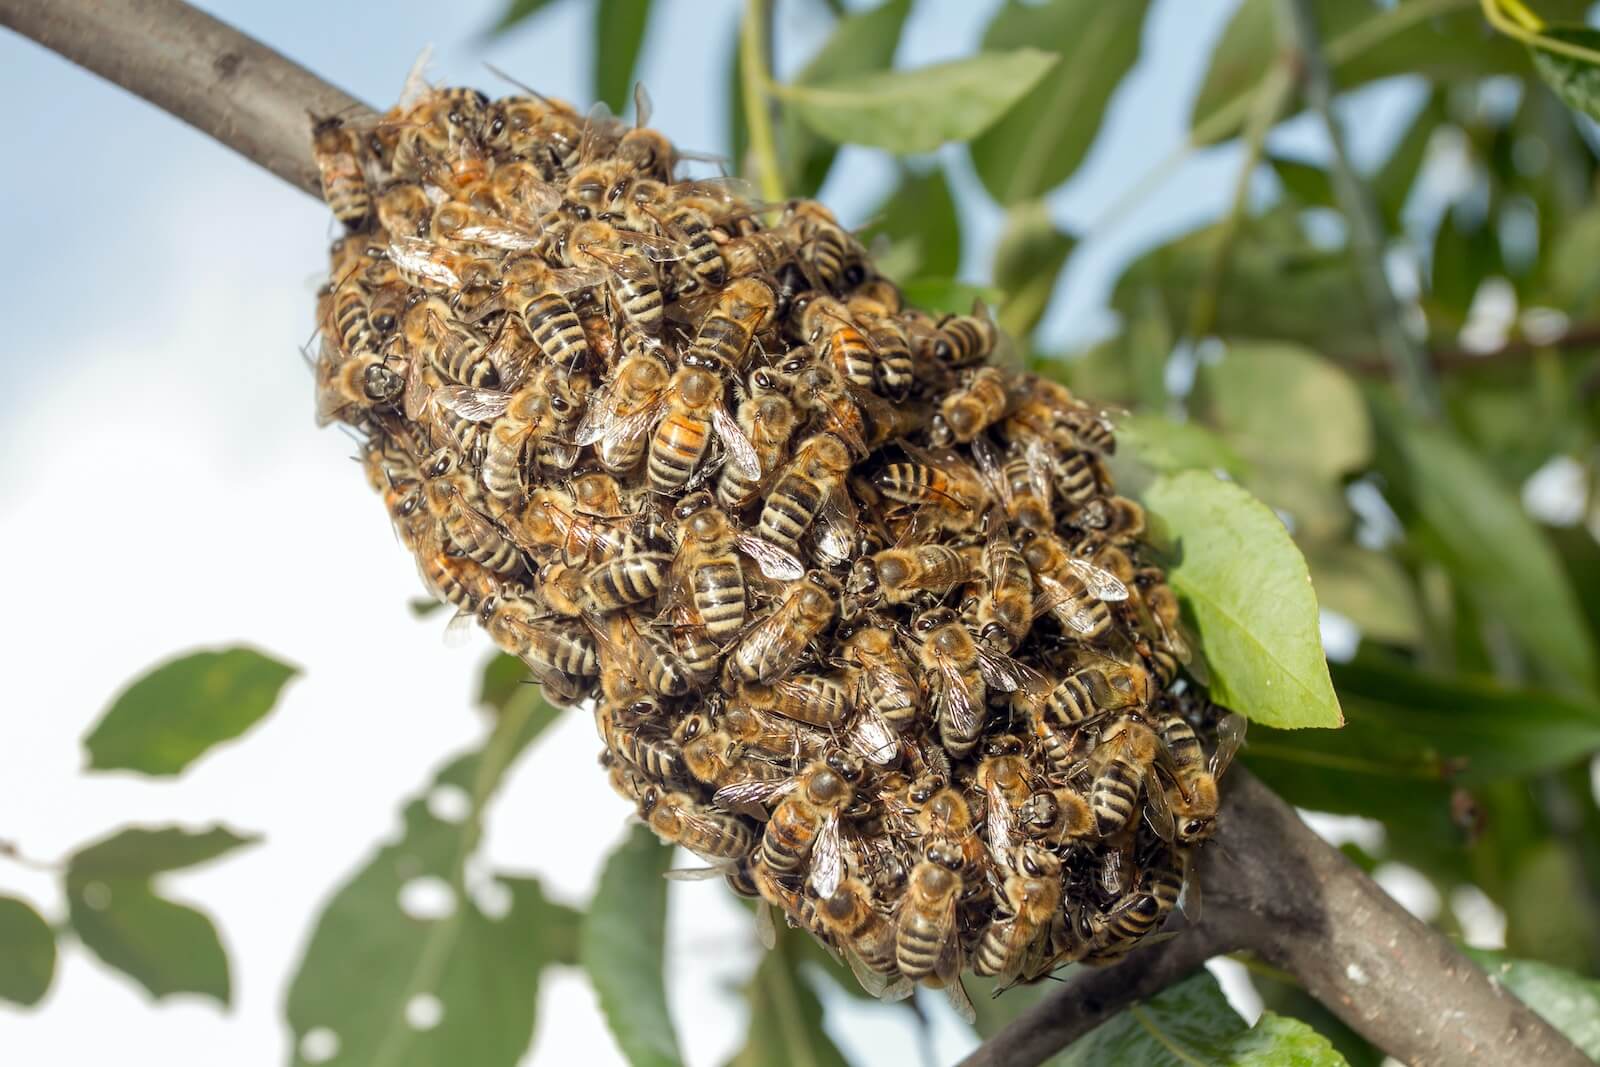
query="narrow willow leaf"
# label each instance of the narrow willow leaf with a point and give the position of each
(619, 28)
(165, 946)
(920, 224)
(28, 949)
(911, 111)
(169, 718)
(1041, 142)
(861, 41)
(1569, 1002)
(1191, 1023)
(517, 11)
(1494, 550)
(409, 940)
(1250, 594)
(1027, 262)
(785, 1019)
(1577, 82)
(622, 945)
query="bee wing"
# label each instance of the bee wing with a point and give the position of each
(951, 697)
(758, 641)
(1101, 582)
(609, 422)
(1158, 809)
(424, 259)
(991, 467)
(873, 739)
(1190, 898)
(1009, 676)
(741, 453)
(837, 527)
(774, 562)
(697, 874)
(1001, 822)
(1230, 735)
(956, 993)
(751, 791)
(827, 857)
(506, 238)
(1040, 468)
(458, 631)
(766, 933)
(472, 404)
(574, 279)
(1053, 595)
(416, 86)
(874, 983)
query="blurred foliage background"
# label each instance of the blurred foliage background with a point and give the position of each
(1402, 360)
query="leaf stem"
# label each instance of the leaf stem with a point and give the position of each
(1407, 360)
(1517, 22)
(758, 93)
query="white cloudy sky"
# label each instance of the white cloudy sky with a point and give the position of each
(165, 488)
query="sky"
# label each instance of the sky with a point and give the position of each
(165, 488)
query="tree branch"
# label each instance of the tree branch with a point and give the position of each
(205, 72)
(1273, 887)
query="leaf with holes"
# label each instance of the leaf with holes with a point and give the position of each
(170, 717)
(1041, 141)
(1250, 594)
(415, 963)
(1192, 1023)
(164, 946)
(28, 947)
(621, 944)
(911, 111)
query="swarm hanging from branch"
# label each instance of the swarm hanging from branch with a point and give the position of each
(1276, 888)
(866, 625)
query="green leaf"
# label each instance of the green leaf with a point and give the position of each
(862, 41)
(622, 945)
(919, 219)
(1402, 722)
(28, 947)
(166, 720)
(1191, 1023)
(164, 946)
(505, 678)
(1569, 1002)
(912, 111)
(369, 960)
(785, 1018)
(1497, 554)
(1309, 183)
(942, 296)
(1027, 261)
(517, 11)
(1368, 588)
(1576, 81)
(423, 606)
(619, 28)
(1251, 597)
(1039, 143)
(1167, 446)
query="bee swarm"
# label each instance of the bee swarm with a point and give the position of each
(862, 619)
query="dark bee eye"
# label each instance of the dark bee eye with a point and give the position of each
(854, 275)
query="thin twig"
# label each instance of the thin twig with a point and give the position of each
(757, 77)
(1405, 354)
(1578, 338)
(190, 65)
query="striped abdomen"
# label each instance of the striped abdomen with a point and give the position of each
(554, 326)
(718, 590)
(626, 580)
(790, 509)
(676, 450)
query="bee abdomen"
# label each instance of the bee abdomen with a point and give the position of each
(719, 598)
(626, 580)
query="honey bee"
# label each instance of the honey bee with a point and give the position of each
(866, 938)
(345, 386)
(458, 225)
(825, 323)
(1072, 589)
(878, 319)
(1125, 762)
(825, 248)
(770, 648)
(1195, 803)
(553, 520)
(687, 221)
(520, 626)
(811, 487)
(899, 575)
(881, 676)
(454, 579)
(541, 413)
(806, 822)
(1029, 897)
(404, 210)
(444, 271)
(925, 929)
(1104, 686)
(1003, 777)
(449, 346)
(337, 152)
(769, 736)
(947, 491)
(969, 339)
(714, 758)
(980, 402)
(537, 295)
(1057, 817)
(658, 757)
(620, 420)
(629, 578)
(762, 252)
(767, 419)
(678, 819)
(693, 403)
(1134, 916)
(1005, 610)
(1160, 617)
(738, 313)
(646, 660)
(452, 498)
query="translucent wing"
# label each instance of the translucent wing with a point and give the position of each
(956, 993)
(1158, 809)
(751, 791)
(1009, 676)
(1054, 597)
(766, 933)
(613, 424)
(458, 631)
(512, 353)
(992, 469)
(1230, 735)
(837, 528)
(1040, 466)
(827, 857)
(472, 404)
(416, 85)
(696, 874)
(421, 258)
(1099, 581)
(741, 453)
(951, 698)
(641, 105)
(873, 739)
(1001, 823)
(506, 238)
(774, 562)
(759, 642)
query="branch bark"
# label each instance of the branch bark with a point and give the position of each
(1274, 888)
(1271, 885)
(190, 65)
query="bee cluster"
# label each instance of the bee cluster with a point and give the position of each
(862, 618)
